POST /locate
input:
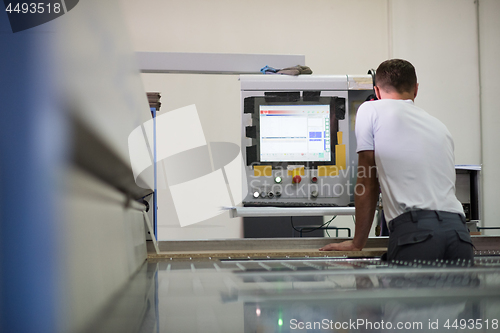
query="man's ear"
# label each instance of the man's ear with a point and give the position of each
(416, 91)
(377, 92)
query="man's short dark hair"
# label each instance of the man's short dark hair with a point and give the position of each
(396, 74)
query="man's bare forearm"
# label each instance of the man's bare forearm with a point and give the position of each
(365, 200)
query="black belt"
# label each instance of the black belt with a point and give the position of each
(415, 215)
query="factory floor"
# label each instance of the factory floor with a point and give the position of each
(307, 295)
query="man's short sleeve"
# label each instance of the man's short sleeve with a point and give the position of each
(364, 127)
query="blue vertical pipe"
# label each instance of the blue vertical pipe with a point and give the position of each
(32, 160)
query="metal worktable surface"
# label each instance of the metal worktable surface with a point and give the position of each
(315, 294)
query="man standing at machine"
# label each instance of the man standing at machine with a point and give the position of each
(414, 158)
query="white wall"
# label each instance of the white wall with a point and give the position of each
(440, 39)
(217, 101)
(489, 27)
(336, 37)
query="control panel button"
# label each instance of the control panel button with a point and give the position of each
(278, 194)
(256, 194)
(263, 194)
(314, 179)
(278, 180)
(297, 179)
(314, 194)
(270, 195)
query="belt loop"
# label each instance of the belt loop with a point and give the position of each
(414, 216)
(440, 218)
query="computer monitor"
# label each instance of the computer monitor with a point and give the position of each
(295, 133)
(291, 130)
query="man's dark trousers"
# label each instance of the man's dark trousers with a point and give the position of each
(429, 235)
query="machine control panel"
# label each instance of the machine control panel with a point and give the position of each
(296, 135)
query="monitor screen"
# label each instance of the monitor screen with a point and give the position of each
(295, 133)
(289, 129)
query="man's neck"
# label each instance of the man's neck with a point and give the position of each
(393, 94)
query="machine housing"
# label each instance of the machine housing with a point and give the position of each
(298, 139)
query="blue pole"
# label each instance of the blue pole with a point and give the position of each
(33, 138)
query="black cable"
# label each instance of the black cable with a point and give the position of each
(321, 226)
(147, 195)
(144, 202)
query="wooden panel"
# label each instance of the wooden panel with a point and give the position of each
(254, 254)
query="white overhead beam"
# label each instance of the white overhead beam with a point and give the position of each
(213, 63)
